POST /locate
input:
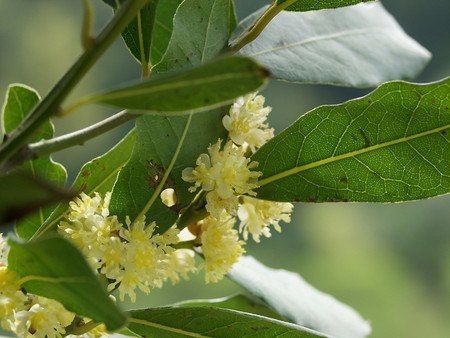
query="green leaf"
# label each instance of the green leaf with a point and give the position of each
(359, 46)
(19, 102)
(97, 175)
(209, 86)
(391, 145)
(210, 322)
(158, 138)
(148, 38)
(53, 268)
(201, 29)
(298, 301)
(241, 303)
(22, 194)
(311, 5)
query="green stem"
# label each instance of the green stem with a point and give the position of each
(51, 103)
(259, 25)
(195, 211)
(79, 137)
(88, 20)
(80, 330)
(185, 245)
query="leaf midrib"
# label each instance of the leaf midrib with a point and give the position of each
(332, 159)
(169, 86)
(359, 31)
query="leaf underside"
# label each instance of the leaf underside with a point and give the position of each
(359, 46)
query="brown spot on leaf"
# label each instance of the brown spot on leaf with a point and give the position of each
(365, 137)
(344, 179)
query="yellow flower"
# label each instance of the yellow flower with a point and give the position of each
(245, 122)
(168, 197)
(180, 263)
(224, 174)
(45, 319)
(220, 246)
(257, 215)
(12, 298)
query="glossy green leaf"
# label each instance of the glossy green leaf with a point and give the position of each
(391, 145)
(209, 86)
(19, 102)
(210, 322)
(148, 38)
(311, 5)
(359, 46)
(157, 140)
(241, 303)
(22, 194)
(97, 175)
(201, 29)
(53, 268)
(291, 296)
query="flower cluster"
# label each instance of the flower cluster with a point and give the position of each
(135, 256)
(28, 315)
(227, 178)
(132, 256)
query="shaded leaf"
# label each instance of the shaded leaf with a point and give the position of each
(359, 46)
(200, 31)
(391, 145)
(53, 268)
(210, 322)
(310, 5)
(298, 301)
(158, 138)
(212, 85)
(19, 102)
(23, 194)
(155, 28)
(97, 175)
(241, 303)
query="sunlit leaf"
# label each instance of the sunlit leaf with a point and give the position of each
(210, 322)
(361, 46)
(391, 145)
(298, 301)
(53, 268)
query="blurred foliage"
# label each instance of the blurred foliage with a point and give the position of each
(390, 261)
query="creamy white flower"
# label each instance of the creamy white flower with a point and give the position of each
(257, 215)
(45, 319)
(220, 246)
(4, 249)
(246, 121)
(12, 298)
(181, 262)
(168, 197)
(224, 174)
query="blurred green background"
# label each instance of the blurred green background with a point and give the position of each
(391, 262)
